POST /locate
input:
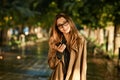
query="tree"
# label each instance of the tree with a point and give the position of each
(13, 12)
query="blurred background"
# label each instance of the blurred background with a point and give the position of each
(24, 33)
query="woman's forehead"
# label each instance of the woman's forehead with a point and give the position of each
(61, 20)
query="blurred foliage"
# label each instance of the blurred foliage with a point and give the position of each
(31, 37)
(93, 13)
(14, 41)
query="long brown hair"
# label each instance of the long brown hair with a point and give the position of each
(56, 35)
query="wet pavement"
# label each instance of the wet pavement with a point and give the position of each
(102, 69)
(30, 63)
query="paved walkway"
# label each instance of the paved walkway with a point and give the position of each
(30, 64)
(29, 68)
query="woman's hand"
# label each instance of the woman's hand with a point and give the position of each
(60, 48)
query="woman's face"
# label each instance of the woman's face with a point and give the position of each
(63, 25)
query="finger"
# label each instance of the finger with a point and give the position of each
(59, 45)
(63, 46)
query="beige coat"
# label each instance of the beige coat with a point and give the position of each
(77, 65)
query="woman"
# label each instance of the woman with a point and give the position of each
(67, 50)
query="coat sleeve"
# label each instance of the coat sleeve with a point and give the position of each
(84, 62)
(52, 58)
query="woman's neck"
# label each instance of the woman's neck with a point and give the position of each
(67, 37)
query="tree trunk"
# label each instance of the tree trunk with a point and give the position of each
(117, 39)
(110, 34)
(3, 37)
(31, 30)
(99, 36)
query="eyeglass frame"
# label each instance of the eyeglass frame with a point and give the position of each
(60, 26)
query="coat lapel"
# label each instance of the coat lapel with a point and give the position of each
(75, 47)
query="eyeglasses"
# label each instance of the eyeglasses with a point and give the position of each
(64, 24)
